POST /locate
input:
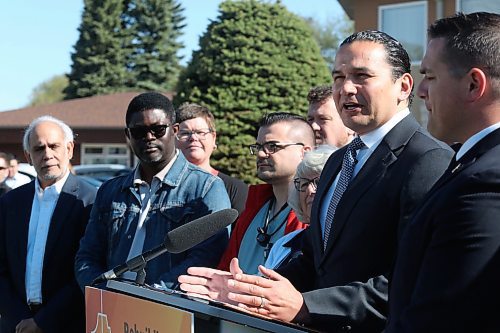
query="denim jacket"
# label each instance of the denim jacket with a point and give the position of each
(186, 193)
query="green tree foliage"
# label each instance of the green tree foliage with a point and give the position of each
(154, 26)
(99, 60)
(49, 91)
(330, 34)
(255, 58)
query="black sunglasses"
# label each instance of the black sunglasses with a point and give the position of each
(140, 132)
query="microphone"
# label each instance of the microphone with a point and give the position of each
(176, 241)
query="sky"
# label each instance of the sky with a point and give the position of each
(37, 38)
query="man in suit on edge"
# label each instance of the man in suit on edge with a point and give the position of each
(41, 224)
(341, 283)
(446, 277)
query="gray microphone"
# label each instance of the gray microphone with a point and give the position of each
(176, 241)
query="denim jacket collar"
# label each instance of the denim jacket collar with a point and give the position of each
(172, 178)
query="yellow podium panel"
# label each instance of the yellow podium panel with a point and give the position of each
(110, 312)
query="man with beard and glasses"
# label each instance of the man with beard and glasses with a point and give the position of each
(41, 224)
(133, 213)
(282, 140)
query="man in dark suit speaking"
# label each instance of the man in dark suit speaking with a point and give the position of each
(447, 274)
(41, 224)
(365, 195)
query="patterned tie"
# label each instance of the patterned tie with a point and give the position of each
(348, 165)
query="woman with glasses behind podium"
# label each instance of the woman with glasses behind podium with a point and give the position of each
(300, 199)
(196, 139)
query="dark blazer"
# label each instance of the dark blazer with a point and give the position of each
(362, 246)
(447, 274)
(63, 303)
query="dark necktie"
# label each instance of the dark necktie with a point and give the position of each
(348, 164)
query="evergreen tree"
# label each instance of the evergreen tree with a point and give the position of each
(50, 91)
(154, 27)
(99, 60)
(255, 58)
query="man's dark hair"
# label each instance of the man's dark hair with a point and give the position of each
(192, 110)
(277, 117)
(300, 122)
(150, 101)
(319, 94)
(472, 40)
(397, 56)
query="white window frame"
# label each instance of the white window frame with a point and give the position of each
(104, 155)
(458, 6)
(381, 8)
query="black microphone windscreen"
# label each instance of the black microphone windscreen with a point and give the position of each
(192, 233)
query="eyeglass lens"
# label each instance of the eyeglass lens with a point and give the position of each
(301, 184)
(186, 135)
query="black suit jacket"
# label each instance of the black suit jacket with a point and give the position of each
(345, 287)
(447, 275)
(63, 303)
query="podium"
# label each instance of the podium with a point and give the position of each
(127, 307)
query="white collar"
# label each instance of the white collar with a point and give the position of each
(470, 142)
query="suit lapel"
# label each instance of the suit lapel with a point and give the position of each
(62, 210)
(487, 143)
(23, 214)
(330, 171)
(373, 170)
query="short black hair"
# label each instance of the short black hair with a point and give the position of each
(472, 40)
(149, 101)
(276, 117)
(397, 56)
(301, 126)
(319, 94)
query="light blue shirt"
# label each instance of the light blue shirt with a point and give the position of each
(279, 252)
(371, 140)
(475, 139)
(42, 209)
(251, 253)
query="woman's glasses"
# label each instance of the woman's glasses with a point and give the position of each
(301, 184)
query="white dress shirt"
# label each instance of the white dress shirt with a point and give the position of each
(475, 139)
(42, 209)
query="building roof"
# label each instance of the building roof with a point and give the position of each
(348, 7)
(104, 111)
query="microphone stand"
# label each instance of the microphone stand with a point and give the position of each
(138, 265)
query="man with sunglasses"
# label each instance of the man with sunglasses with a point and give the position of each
(133, 213)
(282, 140)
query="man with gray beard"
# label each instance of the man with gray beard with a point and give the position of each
(41, 224)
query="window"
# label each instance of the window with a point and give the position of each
(407, 22)
(470, 6)
(105, 154)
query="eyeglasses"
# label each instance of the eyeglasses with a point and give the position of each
(271, 147)
(301, 184)
(3, 168)
(201, 134)
(140, 132)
